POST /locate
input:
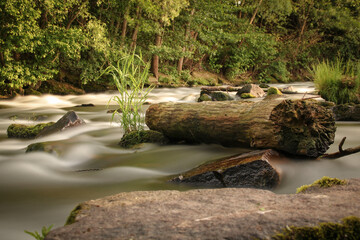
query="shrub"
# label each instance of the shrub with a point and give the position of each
(336, 81)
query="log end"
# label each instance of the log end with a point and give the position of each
(305, 127)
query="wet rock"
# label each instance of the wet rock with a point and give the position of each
(214, 96)
(288, 90)
(25, 131)
(226, 213)
(144, 136)
(253, 89)
(246, 170)
(69, 120)
(274, 91)
(347, 112)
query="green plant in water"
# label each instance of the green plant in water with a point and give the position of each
(323, 182)
(130, 75)
(337, 81)
(38, 236)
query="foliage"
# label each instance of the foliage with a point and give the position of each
(337, 81)
(323, 182)
(38, 236)
(348, 229)
(130, 75)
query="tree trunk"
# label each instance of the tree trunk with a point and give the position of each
(155, 59)
(297, 127)
(187, 33)
(134, 37)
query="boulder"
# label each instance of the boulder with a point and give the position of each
(347, 112)
(251, 169)
(274, 91)
(24, 131)
(253, 89)
(288, 90)
(225, 213)
(69, 120)
(247, 95)
(48, 147)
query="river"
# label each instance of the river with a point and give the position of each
(39, 189)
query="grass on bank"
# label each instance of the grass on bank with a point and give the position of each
(337, 81)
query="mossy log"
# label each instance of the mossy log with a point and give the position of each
(295, 126)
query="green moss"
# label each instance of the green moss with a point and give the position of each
(144, 136)
(72, 217)
(247, 95)
(24, 131)
(220, 96)
(274, 91)
(324, 182)
(348, 229)
(204, 97)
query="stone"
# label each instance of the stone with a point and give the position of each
(85, 105)
(274, 91)
(288, 90)
(225, 213)
(48, 147)
(214, 96)
(25, 131)
(69, 120)
(251, 169)
(347, 112)
(253, 89)
(144, 136)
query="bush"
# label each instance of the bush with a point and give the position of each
(336, 81)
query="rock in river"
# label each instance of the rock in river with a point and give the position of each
(69, 120)
(225, 213)
(251, 169)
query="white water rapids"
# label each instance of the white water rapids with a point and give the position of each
(39, 189)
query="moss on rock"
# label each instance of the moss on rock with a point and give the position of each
(247, 95)
(274, 91)
(204, 97)
(348, 229)
(144, 136)
(72, 217)
(24, 131)
(324, 182)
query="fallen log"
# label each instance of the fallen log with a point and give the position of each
(224, 89)
(297, 127)
(341, 152)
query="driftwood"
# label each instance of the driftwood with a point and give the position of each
(341, 152)
(297, 127)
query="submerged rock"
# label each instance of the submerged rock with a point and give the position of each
(48, 147)
(69, 120)
(226, 213)
(245, 170)
(253, 89)
(24, 131)
(144, 136)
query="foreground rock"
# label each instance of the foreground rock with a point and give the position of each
(143, 136)
(69, 120)
(207, 213)
(298, 127)
(245, 170)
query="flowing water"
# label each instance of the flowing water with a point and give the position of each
(39, 189)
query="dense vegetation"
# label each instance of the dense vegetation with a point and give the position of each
(74, 41)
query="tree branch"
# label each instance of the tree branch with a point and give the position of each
(341, 152)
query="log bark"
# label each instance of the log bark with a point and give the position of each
(297, 127)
